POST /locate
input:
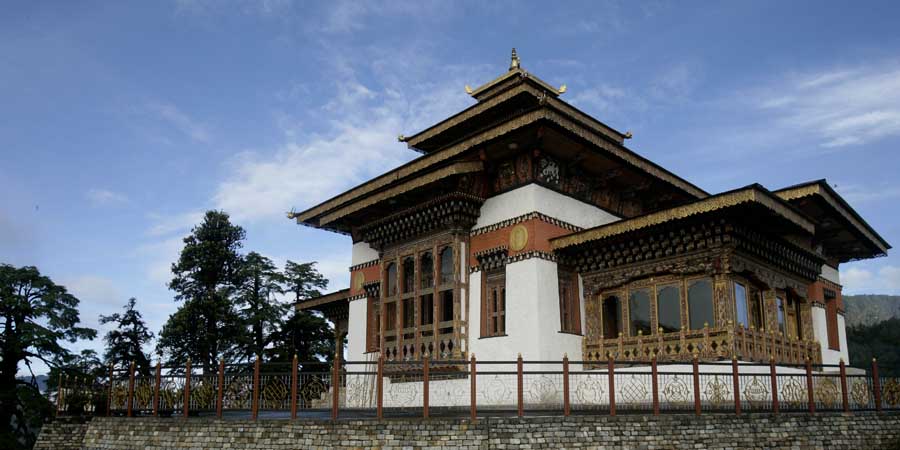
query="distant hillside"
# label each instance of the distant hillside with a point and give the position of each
(870, 309)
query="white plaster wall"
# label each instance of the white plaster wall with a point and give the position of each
(363, 252)
(842, 338)
(531, 198)
(820, 330)
(356, 333)
(831, 274)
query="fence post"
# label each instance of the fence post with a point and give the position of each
(566, 406)
(612, 384)
(844, 399)
(221, 388)
(425, 374)
(654, 373)
(520, 395)
(736, 381)
(255, 401)
(379, 387)
(876, 385)
(187, 388)
(294, 387)
(696, 384)
(336, 387)
(774, 385)
(810, 394)
(130, 388)
(59, 393)
(156, 389)
(108, 395)
(472, 376)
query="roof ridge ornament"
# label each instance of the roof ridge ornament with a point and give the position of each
(514, 62)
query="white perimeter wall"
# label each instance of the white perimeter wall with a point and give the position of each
(532, 198)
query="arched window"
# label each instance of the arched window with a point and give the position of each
(639, 312)
(409, 274)
(391, 282)
(612, 317)
(700, 304)
(446, 265)
(426, 270)
(668, 307)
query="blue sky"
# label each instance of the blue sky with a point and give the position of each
(121, 122)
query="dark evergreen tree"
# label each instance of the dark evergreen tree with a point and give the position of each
(303, 280)
(37, 315)
(126, 343)
(261, 310)
(305, 334)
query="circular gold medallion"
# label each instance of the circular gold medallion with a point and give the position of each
(518, 238)
(358, 280)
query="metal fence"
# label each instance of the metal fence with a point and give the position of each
(377, 389)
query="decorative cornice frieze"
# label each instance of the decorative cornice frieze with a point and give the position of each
(520, 257)
(364, 265)
(524, 217)
(456, 210)
(372, 288)
(492, 258)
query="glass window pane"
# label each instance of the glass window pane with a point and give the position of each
(668, 306)
(446, 306)
(409, 274)
(426, 306)
(390, 319)
(391, 280)
(612, 317)
(426, 270)
(756, 309)
(639, 311)
(779, 307)
(700, 304)
(409, 313)
(740, 305)
(447, 265)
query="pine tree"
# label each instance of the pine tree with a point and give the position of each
(126, 343)
(261, 310)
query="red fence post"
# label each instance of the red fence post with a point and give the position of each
(294, 387)
(255, 401)
(696, 384)
(566, 406)
(472, 376)
(336, 387)
(774, 385)
(156, 390)
(876, 385)
(612, 384)
(810, 394)
(736, 381)
(109, 394)
(220, 396)
(844, 399)
(187, 388)
(520, 394)
(379, 387)
(425, 369)
(654, 374)
(130, 388)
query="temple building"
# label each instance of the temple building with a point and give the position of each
(528, 227)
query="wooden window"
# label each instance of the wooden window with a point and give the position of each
(757, 309)
(390, 316)
(748, 305)
(426, 270)
(700, 304)
(741, 313)
(639, 320)
(493, 309)
(612, 317)
(831, 323)
(668, 308)
(373, 333)
(446, 265)
(797, 321)
(390, 276)
(426, 311)
(409, 313)
(409, 274)
(569, 302)
(779, 311)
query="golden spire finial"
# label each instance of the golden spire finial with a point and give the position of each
(514, 62)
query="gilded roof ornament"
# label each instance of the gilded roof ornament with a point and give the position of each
(514, 62)
(469, 89)
(562, 89)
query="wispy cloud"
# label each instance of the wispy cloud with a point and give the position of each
(858, 280)
(101, 197)
(181, 121)
(866, 193)
(164, 225)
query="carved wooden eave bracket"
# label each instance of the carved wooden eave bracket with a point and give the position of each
(492, 258)
(334, 305)
(457, 211)
(372, 288)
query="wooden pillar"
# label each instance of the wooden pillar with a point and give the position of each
(108, 395)
(876, 385)
(520, 394)
(156, 389)
(810, 393)
(472, 388)
(566, 406)
(336, 387)
(696, 384)
(654, 381)
(294, 377)
(774, 384)
(187, 388)
(130, 389)
(254, 402)
(844, 398)
(379, 388)
(425, 385)
(612, 384)
(736, 381)
(220, 397)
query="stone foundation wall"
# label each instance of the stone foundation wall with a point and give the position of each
(62, 434)
(822, 431)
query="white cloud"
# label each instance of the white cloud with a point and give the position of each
(178, 223)
(97, 295)
(100, 197)
(884, 280)
(159, 257)
(180, 121)
(858, 193)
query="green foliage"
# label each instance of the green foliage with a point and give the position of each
(125, 343)
(81, 375)
(881, 340)
(37, 315)
(261, 311)
(303, 280)
(305, 334)
(870, 309)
